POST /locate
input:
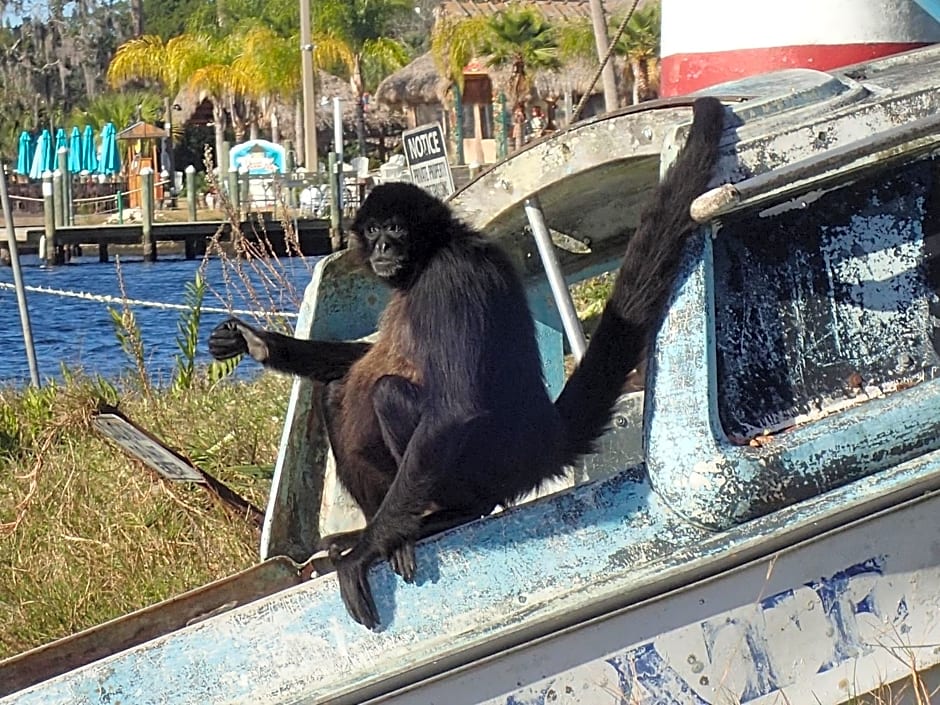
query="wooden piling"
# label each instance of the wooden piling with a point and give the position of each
(149, 245)
(48, 212)
(191, 191)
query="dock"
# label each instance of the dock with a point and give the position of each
(310, 237)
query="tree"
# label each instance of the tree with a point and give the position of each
(169, 18)
(120, 108)
(362, 27)
(640, 44)
(519, 37)
(267, 69)
(523, 39)
(169, 66)
(455, 42)
(54, 59)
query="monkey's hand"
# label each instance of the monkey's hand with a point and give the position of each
(234, 337)
(402, 559)
(352, 570)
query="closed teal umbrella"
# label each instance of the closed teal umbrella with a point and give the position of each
(89, 153)
(60, 141)
(24, 157)
(75, 151)
(42, 156)
(110, 162)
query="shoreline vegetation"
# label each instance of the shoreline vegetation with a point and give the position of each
(87, 533)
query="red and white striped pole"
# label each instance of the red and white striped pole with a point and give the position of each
(704, 43)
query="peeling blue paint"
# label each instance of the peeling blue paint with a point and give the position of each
(841, 610)
(647, 675)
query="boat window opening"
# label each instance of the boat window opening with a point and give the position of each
(822, 304)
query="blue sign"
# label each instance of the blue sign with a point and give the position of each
(258, 157)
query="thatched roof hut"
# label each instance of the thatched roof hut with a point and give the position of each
(419, 82)
(194, 107)
(552, 9)
(574, 77)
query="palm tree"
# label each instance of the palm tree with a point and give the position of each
(168, 65)
(523, 39)
(640, 44)
(267, 70)
(120, 108)
(360, 27)
(455, 42)
(518, 36)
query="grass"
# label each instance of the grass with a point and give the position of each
(88, 534)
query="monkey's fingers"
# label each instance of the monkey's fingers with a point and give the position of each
(257, 348)
(357, 594)
(339, 543)
(226, 341)
(403, 562)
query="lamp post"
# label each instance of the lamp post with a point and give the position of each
(306, 70)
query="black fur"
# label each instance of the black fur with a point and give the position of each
(447, 415)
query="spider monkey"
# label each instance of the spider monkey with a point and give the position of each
(446, 415)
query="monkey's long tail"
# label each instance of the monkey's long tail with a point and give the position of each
(642, 287)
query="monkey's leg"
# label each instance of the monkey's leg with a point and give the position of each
(397, 404)
(435, 448)
(365, 483)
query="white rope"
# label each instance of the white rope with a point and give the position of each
(90, 199)
(105, 299)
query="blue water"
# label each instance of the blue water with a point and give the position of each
(80, 333)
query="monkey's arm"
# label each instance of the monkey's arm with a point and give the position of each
(320, 360)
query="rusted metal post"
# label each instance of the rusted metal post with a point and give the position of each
(18, 279)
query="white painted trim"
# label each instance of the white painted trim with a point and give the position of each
(693, 26)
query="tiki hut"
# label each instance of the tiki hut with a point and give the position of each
(194, 107)
(422, 94)
(418, 91)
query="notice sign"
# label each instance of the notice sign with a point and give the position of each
(426, 156)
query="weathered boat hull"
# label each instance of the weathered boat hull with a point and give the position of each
(773, 538)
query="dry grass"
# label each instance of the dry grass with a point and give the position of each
(87, 534)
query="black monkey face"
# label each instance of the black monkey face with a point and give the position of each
(386, 245)
(398, 229)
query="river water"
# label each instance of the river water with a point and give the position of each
(81, 335)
